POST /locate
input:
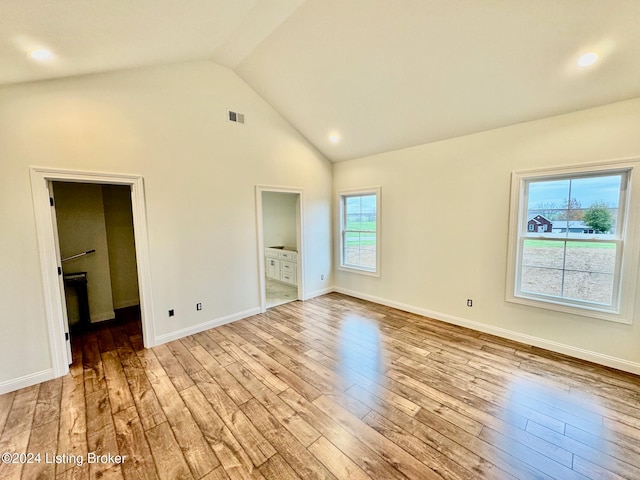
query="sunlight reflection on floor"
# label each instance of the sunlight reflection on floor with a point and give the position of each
(360, 349)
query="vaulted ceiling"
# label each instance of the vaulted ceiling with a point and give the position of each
(379, 75)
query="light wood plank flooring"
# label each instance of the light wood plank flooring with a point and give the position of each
(330, 388)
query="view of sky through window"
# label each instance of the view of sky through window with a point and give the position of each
(571, 200)
(587, 191)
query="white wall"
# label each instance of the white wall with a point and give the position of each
(169, 125)
(444, 217)
(81, 227)
(279, 218)
(122, 249)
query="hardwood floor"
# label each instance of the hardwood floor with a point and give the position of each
(330, 388)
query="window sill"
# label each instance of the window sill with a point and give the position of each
(359, 271)
(559, 306)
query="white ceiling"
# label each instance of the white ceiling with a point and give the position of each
(383, 74)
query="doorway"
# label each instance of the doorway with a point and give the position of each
(42, 181)
(94, 225)
(281, 254)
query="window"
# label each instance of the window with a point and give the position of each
(570, 241)
(360, 231)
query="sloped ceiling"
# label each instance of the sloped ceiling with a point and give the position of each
(380, 74)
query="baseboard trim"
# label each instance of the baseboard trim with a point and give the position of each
(201, 327)
(102, 316)
(26, 381)
(318, 293)
(128, 303)
(581, 353)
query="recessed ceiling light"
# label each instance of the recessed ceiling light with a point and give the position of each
(334, 137)
(41, 54)
(588, 59)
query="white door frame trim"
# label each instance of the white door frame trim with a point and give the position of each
(49, 261)
(300, 240)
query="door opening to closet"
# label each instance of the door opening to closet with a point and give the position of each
(95, 236)
(54, 264)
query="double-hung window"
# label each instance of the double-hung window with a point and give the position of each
(571, 246)
(360, 230)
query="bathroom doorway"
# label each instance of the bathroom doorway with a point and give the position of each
(280, 243)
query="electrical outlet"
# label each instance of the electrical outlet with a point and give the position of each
(198, 306)
(171, 313)
(469, 302)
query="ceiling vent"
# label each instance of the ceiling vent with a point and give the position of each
(236, 117)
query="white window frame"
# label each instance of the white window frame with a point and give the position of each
(342, 195)
(626, 237)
